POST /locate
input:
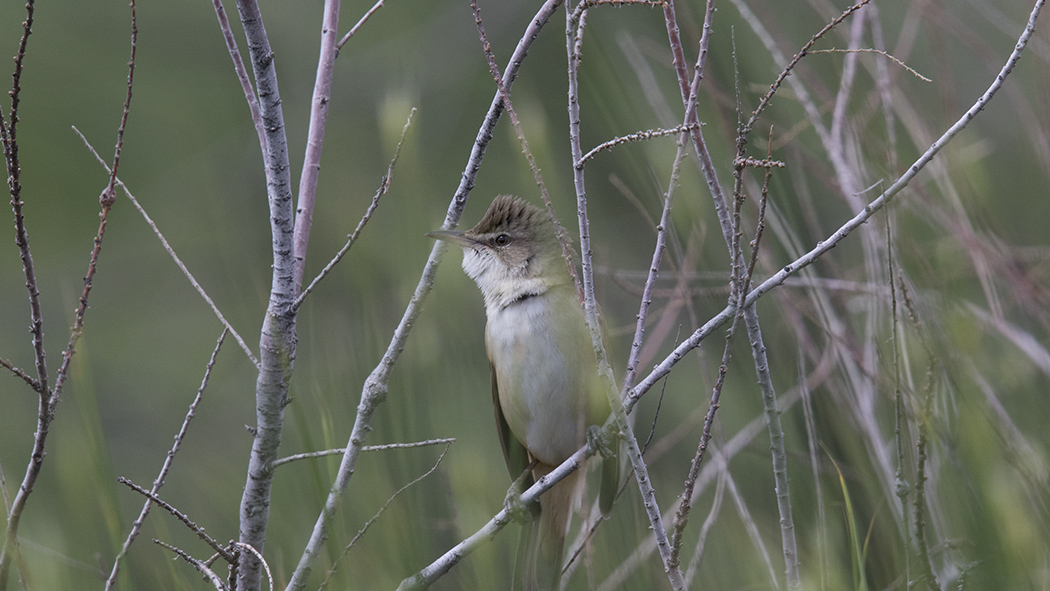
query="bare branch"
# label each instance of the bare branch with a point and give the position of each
(158, 482)
(171, 252)
(876, 51)
(574, 28)
(848, 227)
(384, 447)
(634, 137)
(200, 565)
(311, 171)
(196, 529)
(242, 73)
(28, 379)
(364, 528)
(449, 559)
(278, 337)
(9, 138)
(48, 398)
(357, 26)
(762, 104)
(108, 194)
(384, 186)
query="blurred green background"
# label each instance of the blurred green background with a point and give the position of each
(971, 241)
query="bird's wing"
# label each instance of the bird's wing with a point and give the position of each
(514, 453)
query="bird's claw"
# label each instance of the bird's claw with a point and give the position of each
(518, 510)
(601, 441)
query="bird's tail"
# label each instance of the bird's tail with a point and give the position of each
(541, 551)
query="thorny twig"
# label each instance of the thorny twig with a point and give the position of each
(745, 130)
(618, 418)
(49, 398)
(196, 529)
(634, 137)
(200, 565)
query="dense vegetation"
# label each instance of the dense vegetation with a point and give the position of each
(910, 363)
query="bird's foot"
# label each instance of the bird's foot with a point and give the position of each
(518, 510)
(602, 441)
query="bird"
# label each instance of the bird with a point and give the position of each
(546, 391)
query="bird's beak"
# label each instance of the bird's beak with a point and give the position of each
(454, 237)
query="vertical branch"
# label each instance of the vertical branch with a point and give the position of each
(374, 390)
(48, 398)
(9, 136)
(574, 37)
(242, 73)
(776, 435)
(315, 137)
(901, 486)
(925, 418)
(278, 337)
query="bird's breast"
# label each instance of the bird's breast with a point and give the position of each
(540, 351)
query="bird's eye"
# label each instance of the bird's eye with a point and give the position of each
(501, 240)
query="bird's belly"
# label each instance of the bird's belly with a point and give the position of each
(539, 372)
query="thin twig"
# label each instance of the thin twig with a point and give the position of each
(764, 102)
(384, 186)
(753, 163)
(49, 398)
(9, 138)
(634, 137)
(876, 51)
(339, 451)
(242, 73)
(357, 26)
(108, 194)
(196, 529)
(197, 564)
(175, 257)
(718, 464)
(3, 490)
(705, 528)
(259, 557)
(158, 482)
(28, 379)
(738, 288)
(364, 528)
